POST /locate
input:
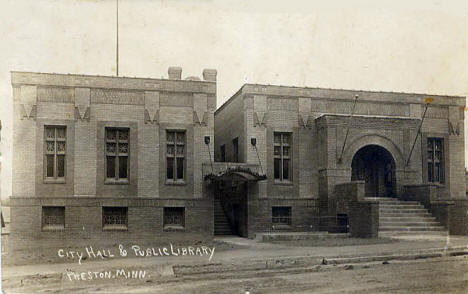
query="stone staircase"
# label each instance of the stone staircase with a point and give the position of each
(221, 222)
(398, 217)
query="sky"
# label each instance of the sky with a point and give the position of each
(408, 46)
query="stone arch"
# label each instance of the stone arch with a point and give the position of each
(373, 139)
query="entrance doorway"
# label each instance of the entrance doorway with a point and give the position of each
(376, 166)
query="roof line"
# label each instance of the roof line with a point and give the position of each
(227, 102)
(106, 76)
(354, 90)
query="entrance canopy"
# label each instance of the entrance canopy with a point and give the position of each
(236, 174)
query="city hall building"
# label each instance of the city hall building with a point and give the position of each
(109, 160)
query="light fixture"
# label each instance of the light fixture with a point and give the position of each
(253, 141)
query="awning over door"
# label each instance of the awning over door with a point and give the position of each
(235, 174)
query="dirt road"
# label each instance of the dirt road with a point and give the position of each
(437, 275)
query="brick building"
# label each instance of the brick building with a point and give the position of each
(103, 160)
(108, 160)
(316, 155)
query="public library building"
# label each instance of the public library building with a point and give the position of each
(109, 160)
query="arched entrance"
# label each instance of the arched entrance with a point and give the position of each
(376, 166)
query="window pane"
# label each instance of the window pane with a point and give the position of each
(180, 137)
(170, 137)
(111, 166)
(60, 166)
(286, 139)
(438, 155)
(61, 147)
(277, 168)
(277, 139)
(170, 149)
(110, 134)
(50, 133)
(180, 168)
(123, 167)
(50, 165)
(286, 151)
(123, 135)
(61, 133)
(277, 150)
(170, 168)
(429, 172)
(180, 150)
(110, 148)
(436, 172)
(281, 215)
(429, 144)
(286, 169)
(50, 147)
(441, 171)
(430, 155)
(123, 148)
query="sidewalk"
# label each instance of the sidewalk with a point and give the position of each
(250, 251)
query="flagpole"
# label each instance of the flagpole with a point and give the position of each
(117, 39)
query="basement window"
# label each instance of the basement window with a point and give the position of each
(281, 215)
(174, 218)
(53, 218)
(115, 218)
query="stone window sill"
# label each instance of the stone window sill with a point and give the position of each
(116, 182)
(176, 183)
(53, 228)
(174, 228)
(283, 183)
(281, 227)
(115, 228)
(54, 181)
(439, 185)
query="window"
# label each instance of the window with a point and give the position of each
(235, 150)
(175, 155)
(281, 215)
(117, 154)
(174, 217)
(435, 160)
(223, 153)
(282, 156)
(114, 218)
(55, 150)
(53, 218)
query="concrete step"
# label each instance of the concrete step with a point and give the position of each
(399, 214)
(401, 206)
(409, 224)
(402, 210)
(410, 228)
(406, 218)
(393, 233)
(223, 233)
(380, 199)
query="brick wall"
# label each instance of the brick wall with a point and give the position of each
(86, 105)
